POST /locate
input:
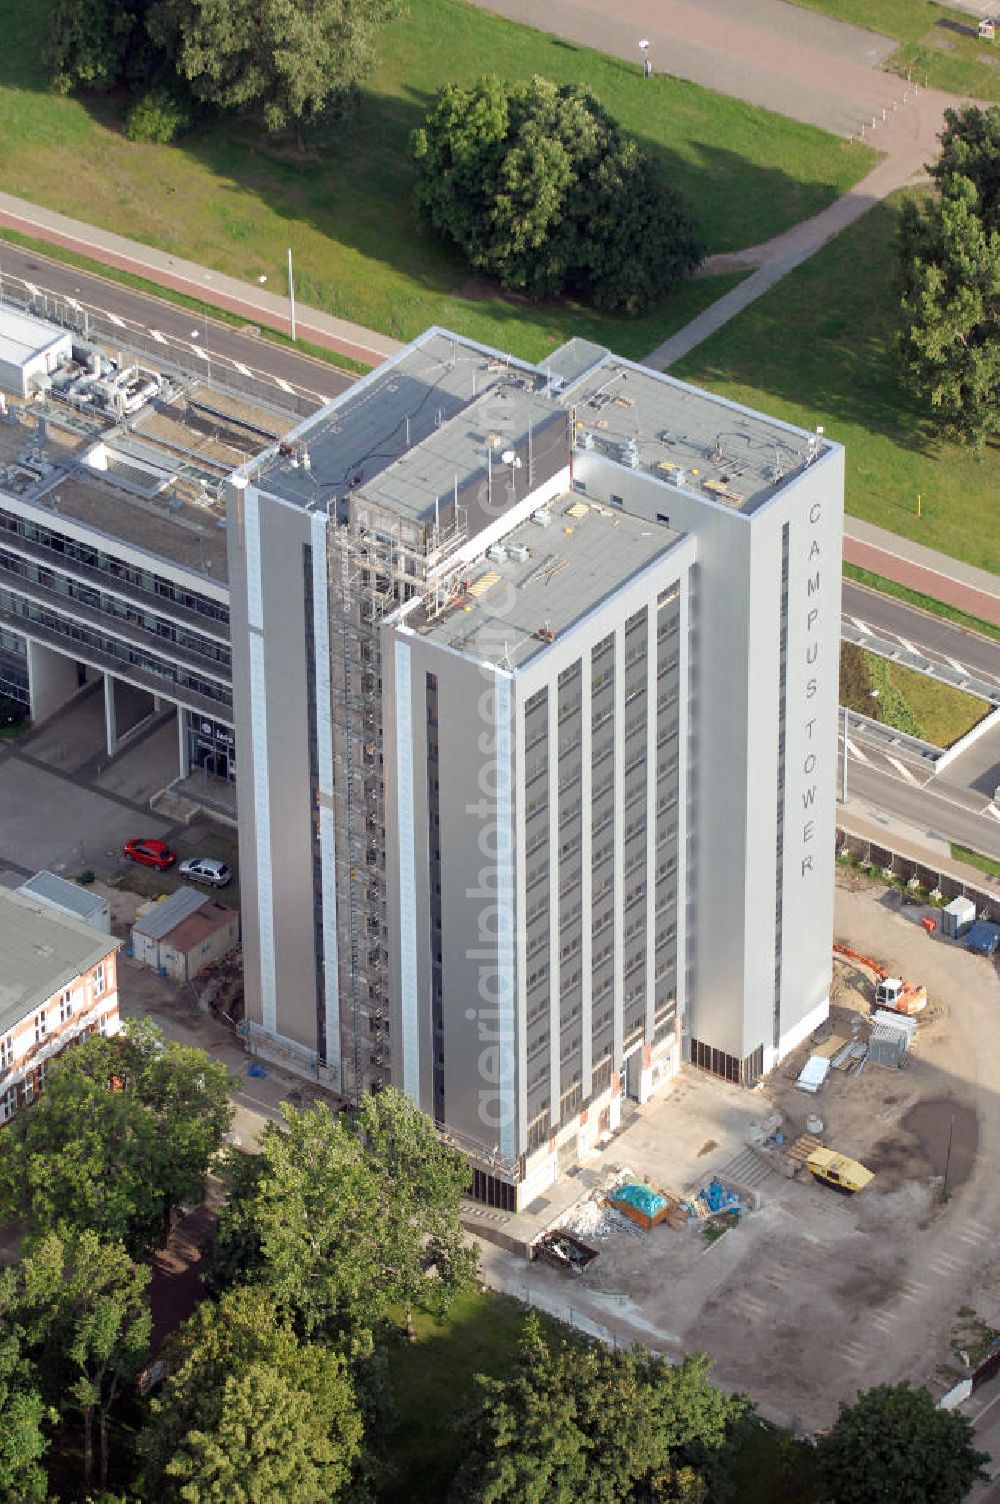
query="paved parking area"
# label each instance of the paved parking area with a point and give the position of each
(65, 807)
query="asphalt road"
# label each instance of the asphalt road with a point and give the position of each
(180, 328)
(934, 809)
(939, 640)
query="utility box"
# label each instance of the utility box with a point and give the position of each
(958, 918)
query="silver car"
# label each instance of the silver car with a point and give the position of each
(205, 869)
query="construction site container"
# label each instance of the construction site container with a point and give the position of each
(887, 1046)
(983, 937)
(641, 1204)
(958, 917)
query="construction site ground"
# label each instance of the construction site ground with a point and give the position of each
(813, 1295)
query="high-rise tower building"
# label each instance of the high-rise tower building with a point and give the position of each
(535, 684)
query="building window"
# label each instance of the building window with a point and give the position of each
(41, 1027)
(8, 1104)
(6, 1052)
(99, 979)
(66, 1006)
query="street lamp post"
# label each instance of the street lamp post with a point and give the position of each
(291, 293)
(647, 66)
(203, 352)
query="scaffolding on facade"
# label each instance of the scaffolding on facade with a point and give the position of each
(375, 563)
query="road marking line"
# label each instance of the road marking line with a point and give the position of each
(904, 770)
(161, 339)
(958, 667)
(884, 1323)
(32, 289)
(856, 751)
(243, 370)
(991, 809)
(909, 646)
(862, 626)
(114, 319)
(284, 385)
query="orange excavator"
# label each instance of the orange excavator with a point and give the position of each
(890, 992)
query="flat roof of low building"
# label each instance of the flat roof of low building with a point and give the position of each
(43, 952)
(685, 436)
(554, 574)
(48, 887)
(22, 336)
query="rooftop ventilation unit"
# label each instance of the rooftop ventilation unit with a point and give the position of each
(517, 551)
(497, 553)
(586, 439)
(542, 517)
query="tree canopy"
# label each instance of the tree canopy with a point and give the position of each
(87, 1316)
(948, 275)
(577, 1424)
(894, 1443)
(248, 1407)
(23, 1412)
(123, 1133)
(539, 187)
(346, 1219)
(284, 61)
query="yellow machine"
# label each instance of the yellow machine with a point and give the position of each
(837, 1171)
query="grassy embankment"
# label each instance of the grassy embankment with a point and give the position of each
(228, 199)
(935, 43)
(819, 348)
(915, 703)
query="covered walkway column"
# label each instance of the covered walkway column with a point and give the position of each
(110, 719)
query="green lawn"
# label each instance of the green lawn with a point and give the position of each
(936, 44)
(432, 1378)
(227, 199)
(975, 859)
(915, 703)
(818, 348)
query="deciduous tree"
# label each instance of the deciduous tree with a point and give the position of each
(345, 1221)
(539, 187)
(23, 1413)
(86, 1309)
(286, 60)
(948, 278)
(123, 1132)
(894, 1443)
(577, 1424)
(248, 1412)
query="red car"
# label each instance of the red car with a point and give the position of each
(150, 853)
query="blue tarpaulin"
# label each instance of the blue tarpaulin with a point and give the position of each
(642, 1197)
(718, 1199)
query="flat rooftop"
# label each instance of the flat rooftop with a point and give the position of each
(43, 952)
(432, 423)
(685, 436)
(22, 336)
(557, 573)
(172, 523)
(405, 435)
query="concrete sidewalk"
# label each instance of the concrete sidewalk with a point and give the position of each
(216, 288)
